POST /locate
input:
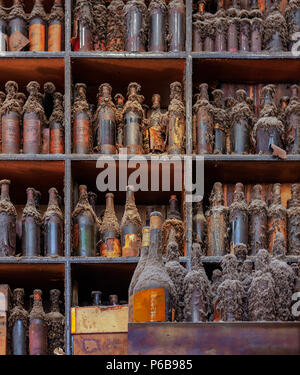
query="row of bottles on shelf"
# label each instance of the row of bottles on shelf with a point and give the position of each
(237, 29)
(35, 332)
(129, 27)
(93, 236)
(254, 225)
(36, 229)
(31, 125)
(127, 125)
(233, 127)
(37, 32)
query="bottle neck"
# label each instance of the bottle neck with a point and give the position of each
(5, 192)
(55, 305)
(30, 197)
(155, 250)
(19, 298)
(110, 203)
(130, 197)
(199, 208)
(37, 301)
(53, 200)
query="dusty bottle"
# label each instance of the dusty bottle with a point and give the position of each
(198, 19)
(56, 323)
(96, 298)
(53, 226)
(37, 326)
(245, 31)
(258, 222)
(277, 219)
(8, 216)
(18, 321)
(33, 120)
(113, 300)
(154, 295)
(119, 102)
(3, 28)
(85, 221)
(131, 226)
(176, 120)
(82, 132)
(110, 231)
(233, 26)
(220, 125)
(11, 112)
(17, 27)
(293, 214)
(203, 113)
(256, 27)
(99, 13)
(157, 131)
(57, 126)
(292, 113)
(200, 226)
(83, 27)
(2, 99)
(138, 270)
(135, 12)
(275, 30)
(31, 227)
(268, 129)
(292, 17)
(230, 102)
(133, 115)
(37, 27)
(238, 218)
(115, 26)
(241, 124)
(56, 33)
(176, 23)
(157, 26)
(105, 121)
(217, 223)
(221, 27)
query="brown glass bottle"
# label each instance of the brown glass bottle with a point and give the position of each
(135, 25)
(110, 231)
(56, 33)
(217, 223)
(56, 323)
(53, 226)
(293, 214)
(37, 326)
(84, 220)
(99, 13)
(292, 114)
(11, 116)
(115, 26)
(275, 30)
(56, 126)
(31, 227)
(3, 28)
(18, 321)
(82, 132)
(256, 27)
(157, 26)
(17, 28)
(105, 121)
(245, 31)
(176, 23)
(37, 27)
(233, 26)
(157, 132)
(200, 226)
(8, 216)
(292, 17)
(221, 28)
(154, 293)
(83, 27)
(220, 125)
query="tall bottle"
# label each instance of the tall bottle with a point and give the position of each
(56, 323)
(37, 27)
(292, 17)
(233, 26)
(18, 322)
(157, 131)
(8, 216)
(275, 30)
(57, 126)
(3, 28)
(200, 226)
(176, 120)
(220, 24)
(256, 27)
(198, 19)
(53, 226)
(119, 102)
(56, 32)
(138, 270)
(110, 231)
(83, 27)
(99, 13)
(31, 227)
(131, 226)
(245, 30)
(203, 117)
(238, 218)
(157, 26)
(258, 222)
(33, 120)
(17, 27)
(105, 121)
(292, 113)
(115, 26)
(81, 116)
(176, 23)
(133, 115)
(135, 12)
(220, 124)
(85, 221)
(217, 223)
(154, 295)
(11, 112)
(37, 326)
(293, 228)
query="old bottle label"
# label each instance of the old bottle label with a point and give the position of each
(131, 248)
(32, 132)
(56, 141)
(81, 132)
(54, 38)
(149, 306)
(10, 135)
(17, 41)
(111, 248)
(37, 37)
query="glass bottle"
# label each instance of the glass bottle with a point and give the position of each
(198, 19)
(99, 13)
(83, 27)
(113, 300)
(110, 231)
(56, 34)
(221, 27)
(37, 326)
(57, 125)
(56, 323)
(157, 26)
(119, 102)
(220, 123)
(8, 216)
(3, 28)
(233, 26)
(135, 25)
(18, 321)
(200, 226)
(275, 30)
(245, 31)
(292, 113)
(92, 198)
(37, 27)
(131, 226)
(256, 17)
(115, 27)
(17, 27)
(157, 131)
(292, 17)
(293, 215)
(31, 227)
(176, 23)
(96, 298)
